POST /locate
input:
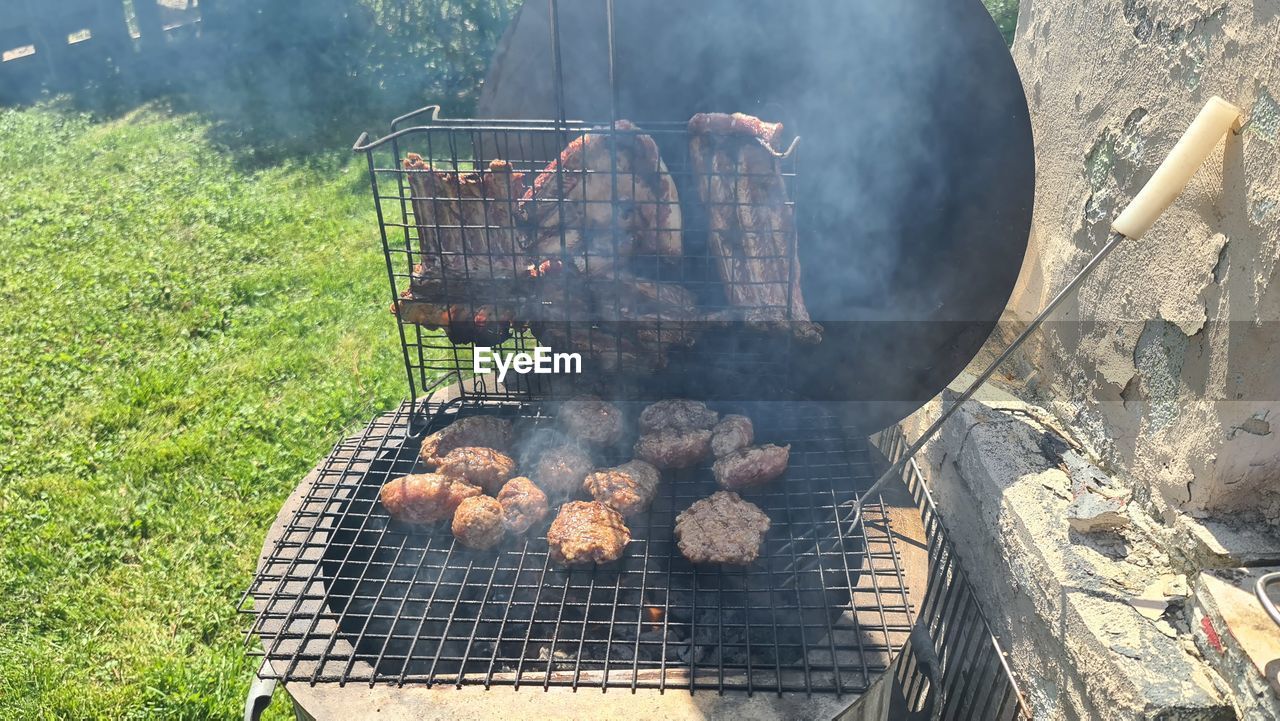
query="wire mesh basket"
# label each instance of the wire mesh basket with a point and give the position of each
(627, 258)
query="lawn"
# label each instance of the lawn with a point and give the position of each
(183, 341)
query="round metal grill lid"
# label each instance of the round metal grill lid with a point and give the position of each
(918, 180)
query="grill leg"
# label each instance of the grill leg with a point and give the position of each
(259, 698)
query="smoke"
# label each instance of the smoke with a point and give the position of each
(915, 172)
(915, 156)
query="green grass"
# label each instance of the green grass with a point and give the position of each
(182, 342)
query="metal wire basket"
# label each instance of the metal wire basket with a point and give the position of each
(639, 248)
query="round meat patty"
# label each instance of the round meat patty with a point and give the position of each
(587, 532)
(731, 433)
(425, 497)
(721, 529)
(628, 488)
(678, 414)
(561, 469)
(480, 431)
(592, 421)
(482, 467)
(523, 504)
(670, 448)
(751, 467)
(478, 522)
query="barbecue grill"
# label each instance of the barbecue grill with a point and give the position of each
(346, 596)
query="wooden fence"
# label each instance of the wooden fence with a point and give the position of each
(49, 43)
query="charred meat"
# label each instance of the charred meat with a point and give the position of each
(751, 467)
(628, 488)
(622, 322)
(477, 523)
(670, 448)
(678, 414)
(721, 529)
(560, 470)
(425, 497)
(478, 466)
(601, 181)
(587, 532)
(737, 170)
(481, 431)
(467, 236)
(731, 433)
(523, 504)
(592, 421)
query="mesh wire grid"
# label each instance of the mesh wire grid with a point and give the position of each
(954, 667)
(594, 261)
(347, 595)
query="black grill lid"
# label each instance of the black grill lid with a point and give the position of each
(916, 190)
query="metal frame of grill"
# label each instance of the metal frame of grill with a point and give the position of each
(347, 596)
(954, 666)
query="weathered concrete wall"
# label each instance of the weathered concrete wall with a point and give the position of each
(1168, 361)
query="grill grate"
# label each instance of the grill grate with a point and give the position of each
(347, 595)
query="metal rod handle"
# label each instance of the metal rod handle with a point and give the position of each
(1215, 119)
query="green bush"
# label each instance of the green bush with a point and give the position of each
(291, 75)
(1005, 13)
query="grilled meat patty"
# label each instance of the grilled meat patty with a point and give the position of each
(721, 529)
(678, 414)
(425, 497)
(482, 467)
(523, 504)
(561, 469)
(474, 431)
(732, 433)
(592, 421)
(587, 532)
(628, 488)
(671, 448)
(751, 467)
(478, 522)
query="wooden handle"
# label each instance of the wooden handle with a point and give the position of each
(1217, 117)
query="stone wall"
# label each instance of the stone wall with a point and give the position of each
(1168, 360)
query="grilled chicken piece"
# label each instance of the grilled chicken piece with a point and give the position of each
(592, 421)
(574, 201)
(479, 431)
(721, 529)
(483, 467)
(678, 414)
(466, 236)
(670, 448)
(587, 532)
(561, 469)
(737, 169)
(751, 467)
(425, 497)
(732, 433)
(628, 488)
(478, 523)
(523, 504)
